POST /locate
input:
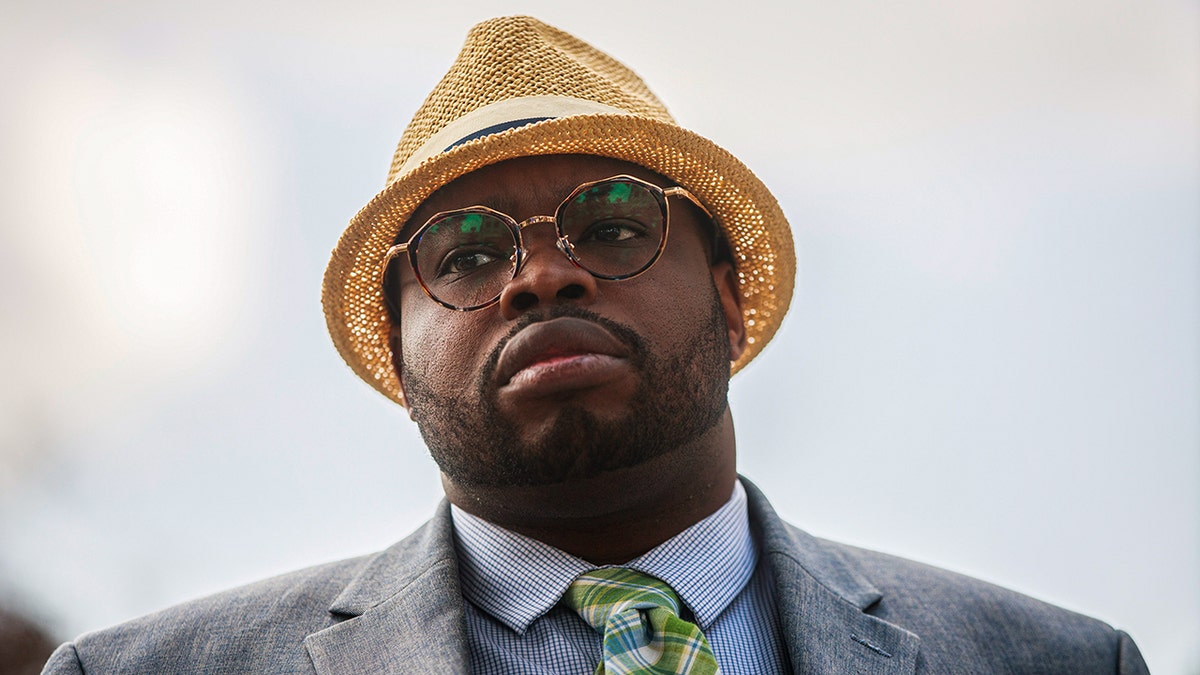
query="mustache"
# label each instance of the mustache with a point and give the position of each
(629, 337)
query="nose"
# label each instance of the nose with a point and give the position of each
(547, 276)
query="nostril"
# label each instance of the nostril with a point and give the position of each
(523, 301)
(571, 292)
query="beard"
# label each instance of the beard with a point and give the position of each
(681, 395)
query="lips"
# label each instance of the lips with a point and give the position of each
(558, 341)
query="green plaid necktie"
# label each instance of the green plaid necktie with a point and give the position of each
(638, 617)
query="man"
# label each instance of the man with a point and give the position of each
(556, 284)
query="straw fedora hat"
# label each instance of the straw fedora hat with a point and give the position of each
(522, 88)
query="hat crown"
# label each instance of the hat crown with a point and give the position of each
(518, 57)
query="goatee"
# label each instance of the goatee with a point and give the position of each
(681, 396)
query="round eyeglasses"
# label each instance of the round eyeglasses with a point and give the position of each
(614, 228)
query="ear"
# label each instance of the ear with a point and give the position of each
(725, 281)
(398, 363)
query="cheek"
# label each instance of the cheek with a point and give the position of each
(675, 296)
(685, 267)
(440, 345)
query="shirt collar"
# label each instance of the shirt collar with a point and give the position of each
(517, 579)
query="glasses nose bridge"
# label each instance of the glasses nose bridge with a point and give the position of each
(535, 220)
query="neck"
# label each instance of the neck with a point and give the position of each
(617, 516)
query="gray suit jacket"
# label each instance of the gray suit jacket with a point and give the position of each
(842, 609)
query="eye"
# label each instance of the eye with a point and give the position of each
(613, 232)
(464, 260)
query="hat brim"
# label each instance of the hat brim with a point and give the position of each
(758, 232)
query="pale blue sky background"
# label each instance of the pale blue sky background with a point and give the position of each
(992, 362)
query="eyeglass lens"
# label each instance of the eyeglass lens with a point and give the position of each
(615, 229)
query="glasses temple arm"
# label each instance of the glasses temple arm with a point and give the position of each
(719, 249)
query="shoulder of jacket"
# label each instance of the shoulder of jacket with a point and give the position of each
(243, 629)
(961, 617)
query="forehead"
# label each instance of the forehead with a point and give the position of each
(526, 186)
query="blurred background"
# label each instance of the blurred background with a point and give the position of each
(992, 362)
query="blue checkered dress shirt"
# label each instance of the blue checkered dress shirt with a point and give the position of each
(514, 584)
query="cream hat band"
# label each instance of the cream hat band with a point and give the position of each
(501, 116)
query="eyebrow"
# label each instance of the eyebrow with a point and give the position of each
(504, 202)
(507, 202)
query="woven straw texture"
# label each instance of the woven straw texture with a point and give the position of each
(519, 57)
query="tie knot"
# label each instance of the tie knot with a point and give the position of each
(604, 593)
(637, 617)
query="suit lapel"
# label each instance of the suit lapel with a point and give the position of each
(827, 634)
(402, 614)
(822, 601)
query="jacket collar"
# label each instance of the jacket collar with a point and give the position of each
(822, 600)
(402, 614)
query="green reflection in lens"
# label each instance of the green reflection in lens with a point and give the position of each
(619, 192)
(471, 222)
